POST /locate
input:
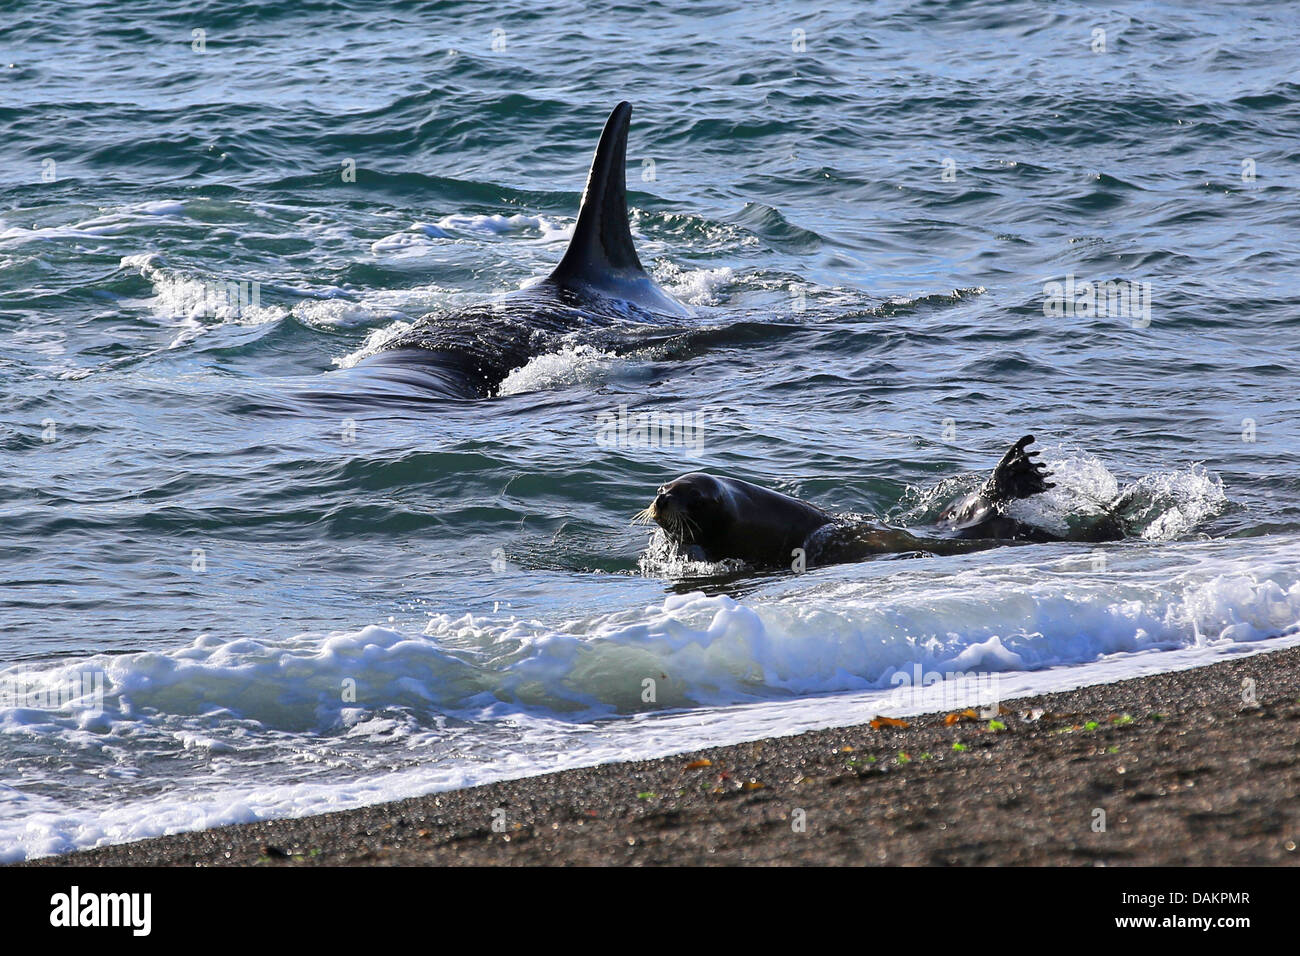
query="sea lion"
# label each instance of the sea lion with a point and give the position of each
(599, 286)
(712, 518)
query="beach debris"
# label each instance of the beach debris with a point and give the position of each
(697, 764)
(755, 785)
(958, 746)
(957, 716)
(273, 851)
(878, 722)
(997, 726)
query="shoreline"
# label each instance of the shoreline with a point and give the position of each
(1180, 768)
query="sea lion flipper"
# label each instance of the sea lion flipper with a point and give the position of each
(1018, 475)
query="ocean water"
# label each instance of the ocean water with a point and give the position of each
(266, 603)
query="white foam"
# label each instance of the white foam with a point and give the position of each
(838, 630)
(1174, 503)
(145, 262)
(340, 313)
(550, 230)
(196, 305)
(571, 365)
(108, 225)
(401, 244)
(524, 693)
(664, 559)
(695, 286)
(375, 342)
(161, 207)
(1160, 506)
(421, 238)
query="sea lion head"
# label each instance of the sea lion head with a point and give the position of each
(720, 518)
(693, 510)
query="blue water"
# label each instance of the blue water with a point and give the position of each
(863, 215)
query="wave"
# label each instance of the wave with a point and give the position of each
(824, 634)
(379, 712)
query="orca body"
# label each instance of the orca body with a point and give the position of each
(599, 287)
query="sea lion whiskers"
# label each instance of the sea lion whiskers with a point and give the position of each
(688, 529)
(644, 516)
(679, 528)
(674, 526)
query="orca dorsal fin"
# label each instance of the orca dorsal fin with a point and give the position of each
(601, 254)
(602, 238)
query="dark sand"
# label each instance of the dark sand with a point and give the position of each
(1186, 771)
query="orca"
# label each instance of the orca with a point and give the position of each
(599, 286)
